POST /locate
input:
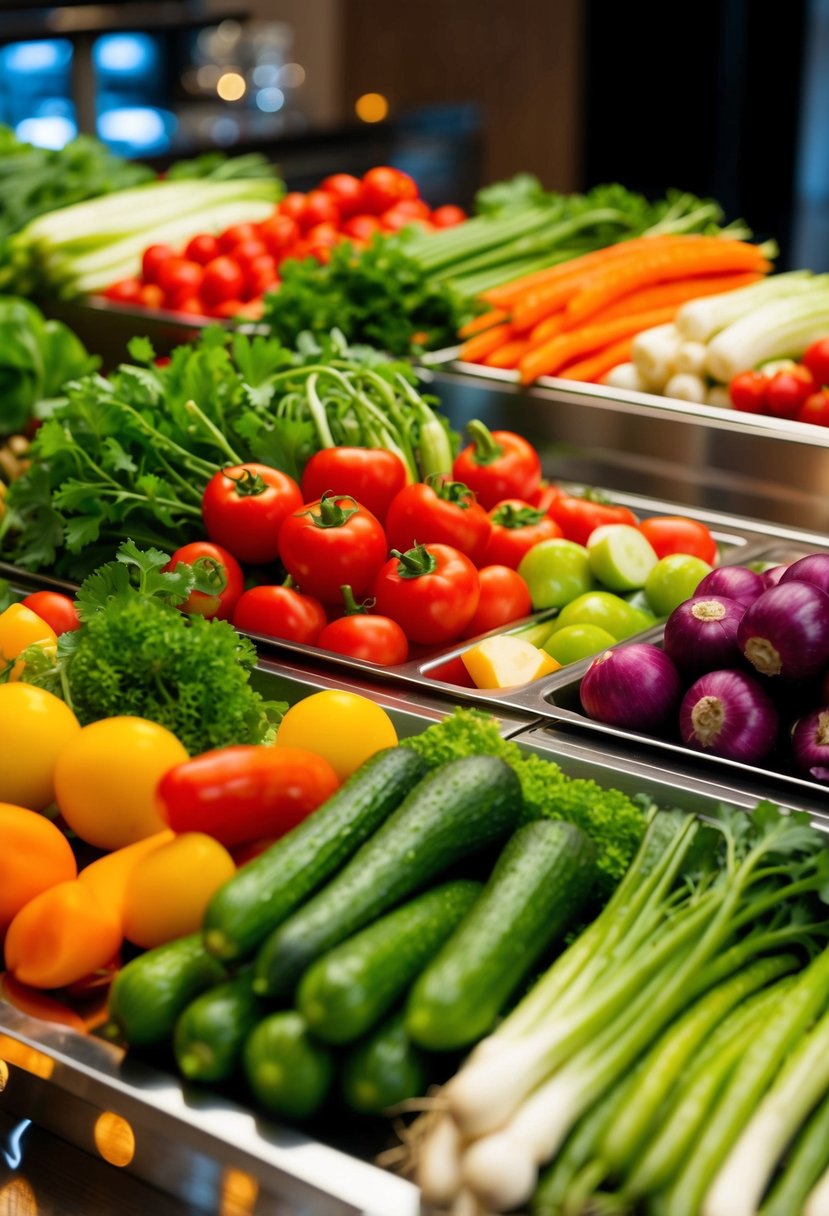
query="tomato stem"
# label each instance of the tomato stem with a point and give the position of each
(331, 514)
(414, 562)
(509, 516)
(352, 608)
(487, 451)
(451, 491)
(248, 484)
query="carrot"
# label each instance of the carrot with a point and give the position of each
(477, 348)
(663, 294)
(478, 324)
(548, 328)
(596, 365)
(548, 357)
(508, 354)
(697, 256)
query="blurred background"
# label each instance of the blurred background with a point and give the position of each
(731, 99)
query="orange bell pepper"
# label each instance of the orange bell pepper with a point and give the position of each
(107, 878)
(61, 936)
(35, 856)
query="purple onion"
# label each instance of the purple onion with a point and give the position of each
(728, 714)
(736, 582)
(701, 634)
(636, 686)
(810, 744)
(773, 575)
(785, 632)
(813, 569)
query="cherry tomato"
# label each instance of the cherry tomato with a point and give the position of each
(675, 534)
(221, 569)
(347, 190)
(432, 591)
(58, 611)
(192, 306)
(236, 235)
(279, 233)
(322, 235)
(125, 291)
(748, 392)
(505, 597)
(367, 636)
(497, 465)
(293, 205)
(383, 187)
(223, 280)
(415, 207)
(248, 251)
(331, 542)
(787, 391)
(260, 275)
(516, 528)
(448, 216)
(361, 227)
(579, 516)
(244, 507)
(202, 248)
(179, 278)
(280, 612)
(815, 409)
(372, 476)
(443, 512)
(153, 259)
(151, 296)
(817, 360)
(396, 218)
(228, 309)
(320, 208)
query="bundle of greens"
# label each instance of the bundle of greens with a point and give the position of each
(37, 357)
(136, 654)
(129, 456)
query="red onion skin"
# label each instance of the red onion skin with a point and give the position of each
(635, 686)
(735, 582)
(697, 644)
(785, 632)
(729, 714)
(810, 744)
(813, 569)
(773, 576)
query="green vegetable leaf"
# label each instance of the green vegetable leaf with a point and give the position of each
(141, 350)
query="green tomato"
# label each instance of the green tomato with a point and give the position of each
(575, 642)
(620, 556)
(606, 611)
(673, 580)
(556, 571)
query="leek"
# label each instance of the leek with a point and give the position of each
(805, 1165)
(780, 328)
(699, 320)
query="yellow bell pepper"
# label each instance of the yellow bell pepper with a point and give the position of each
(506, 662)
(19, 629)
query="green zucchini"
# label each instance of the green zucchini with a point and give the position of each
(247, 908)
(148, 994)
(464, 805)
(538, 887)
(344, 993)
(288, 1072)
(209, 1034)
(386, 1068)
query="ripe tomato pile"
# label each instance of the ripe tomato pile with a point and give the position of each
(798, 391)
(226, 275)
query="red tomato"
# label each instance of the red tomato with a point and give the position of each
(445, 513)
(375, 639)
(293, 205)
(228, 309)
(815, 409)
(235, 235)
(675, 534)
(280, 612)
(58, 611)
(383, 187)
(505, 597)
(179, 278)
(153, 259)
(248, 251)
(545, 496)
(516, 528)
(415, 207)
(347, 190)
(125, 291)
(497, 465)
(817, 360)
(432, 591)
(331, 542)
(322, 235)
(788, 390)
(361, 227)
(260, 275)
(151, 296)
(320, 208)
(223, 280)
(243, 853)
(279, 233)
(372, 476)
(396, 218)
(748, 392)
(579, 517)
(448, 216)
(238, 794)
(221, 570)
(244, 507)
(202, 248)
(191, 306)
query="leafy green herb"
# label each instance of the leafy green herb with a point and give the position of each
(37, 357)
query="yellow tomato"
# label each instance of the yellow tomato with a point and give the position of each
(168, 890)
(343, 727)
(35, 726)
(19, 628)
(106, 778)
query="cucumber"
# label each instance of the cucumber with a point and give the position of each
(540, 883)
(148, 994)
(344, 993)
(211, 1031)
(384, 1069)
(461, 806)
(247, 908)
(287, 1071)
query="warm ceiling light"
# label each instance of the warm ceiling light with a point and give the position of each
(231, 86)
(371, 107)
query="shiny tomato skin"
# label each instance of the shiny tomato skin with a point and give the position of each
(816, 359)
(432, 607)
(244, 507)
(372, 476)
(320, 208)
(815, 409)
(419, 515)
(279, 233)
(151, 296)
(669, 534)
(384, 186)
(293, 205)
(202, 248)
(748, 392)
(260, 276)
(788, 390)
(507, 542)
(248, 251)
(223, 603)
(448, 216)
(331, 542)
(505, 598)
(280, 612)
(323, 235)
(375, 639)
(514, 472)
(236, 235)
(361, 227)
(153, 259)
(58, 611)
(223, 280)
(179, 278)
(579, 517)
(125, 291)
(347, 190)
